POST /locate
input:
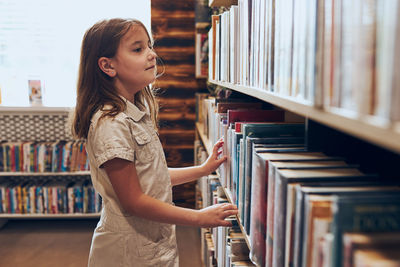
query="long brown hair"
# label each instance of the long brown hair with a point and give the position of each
(96, 89)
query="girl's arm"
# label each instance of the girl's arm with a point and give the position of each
(123, 177)
(188, 174)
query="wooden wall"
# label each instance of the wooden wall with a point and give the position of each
(173, 29)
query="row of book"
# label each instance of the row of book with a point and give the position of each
(221, 246)
(57, 156)
(48, 197)
(295, 205)
(334, 54)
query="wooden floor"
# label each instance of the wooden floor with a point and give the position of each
(65, 243)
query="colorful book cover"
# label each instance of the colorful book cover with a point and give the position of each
(356, 241)
(284, 177)
(264, 130)
(276, 161)
(299, 252)
(363, 213)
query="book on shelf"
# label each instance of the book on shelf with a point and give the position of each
(252, 182)
(363, 213)
(51, 196)
(377, 257)
(317, 219)
(237, 182)
(215, 19)
(57, 156)
(201, 48)
(271, 160)
(336, 55)
(232, 141)
(319, 215)
(354, 242)
(261, 130)
(262, 166)
(225, 107)
(284, 177)
(234, 44)
(200, 106)
(305, 242)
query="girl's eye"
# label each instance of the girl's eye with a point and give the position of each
(151, 46)
(137, 49)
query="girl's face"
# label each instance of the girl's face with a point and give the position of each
(134, 62)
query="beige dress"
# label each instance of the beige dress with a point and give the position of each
(121, 239)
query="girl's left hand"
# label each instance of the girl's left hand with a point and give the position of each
(213, 161)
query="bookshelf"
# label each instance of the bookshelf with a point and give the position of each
(302, 57)
(36, 126)
(366, 128)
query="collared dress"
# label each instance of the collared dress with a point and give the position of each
(121, 239)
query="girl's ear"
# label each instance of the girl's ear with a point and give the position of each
(106, 66)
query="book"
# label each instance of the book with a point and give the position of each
(363, 213)
(258, 198)
(231, 136)
(356, 241)
(318, 216)
(264, 130)
(248, 181)
(292, 156)
(389, 257)
(305, 238)
(286, 176)
(214, 22)
(225, 107)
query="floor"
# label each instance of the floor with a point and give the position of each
(65, 243)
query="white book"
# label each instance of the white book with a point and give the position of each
(233, 44)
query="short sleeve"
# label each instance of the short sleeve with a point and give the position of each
(111, 138)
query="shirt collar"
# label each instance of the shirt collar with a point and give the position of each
(133, 111)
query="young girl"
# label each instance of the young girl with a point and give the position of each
(116, 113)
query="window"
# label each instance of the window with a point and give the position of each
(41, 39)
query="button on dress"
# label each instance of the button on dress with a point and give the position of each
(121, 239)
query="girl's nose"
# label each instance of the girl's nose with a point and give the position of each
(152, 55)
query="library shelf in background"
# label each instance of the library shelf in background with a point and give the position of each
(44, 171)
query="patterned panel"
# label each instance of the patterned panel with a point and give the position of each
(34, 127)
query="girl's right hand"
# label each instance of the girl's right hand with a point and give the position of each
(215, 215)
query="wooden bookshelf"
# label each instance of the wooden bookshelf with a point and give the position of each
(366, 128)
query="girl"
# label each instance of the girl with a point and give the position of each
(116, 113)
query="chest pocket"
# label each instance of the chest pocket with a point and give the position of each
(145, 149)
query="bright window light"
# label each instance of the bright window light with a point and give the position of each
(41, 39)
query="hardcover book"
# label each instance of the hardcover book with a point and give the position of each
(287, 176)
(263, 166)
(363, 213)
